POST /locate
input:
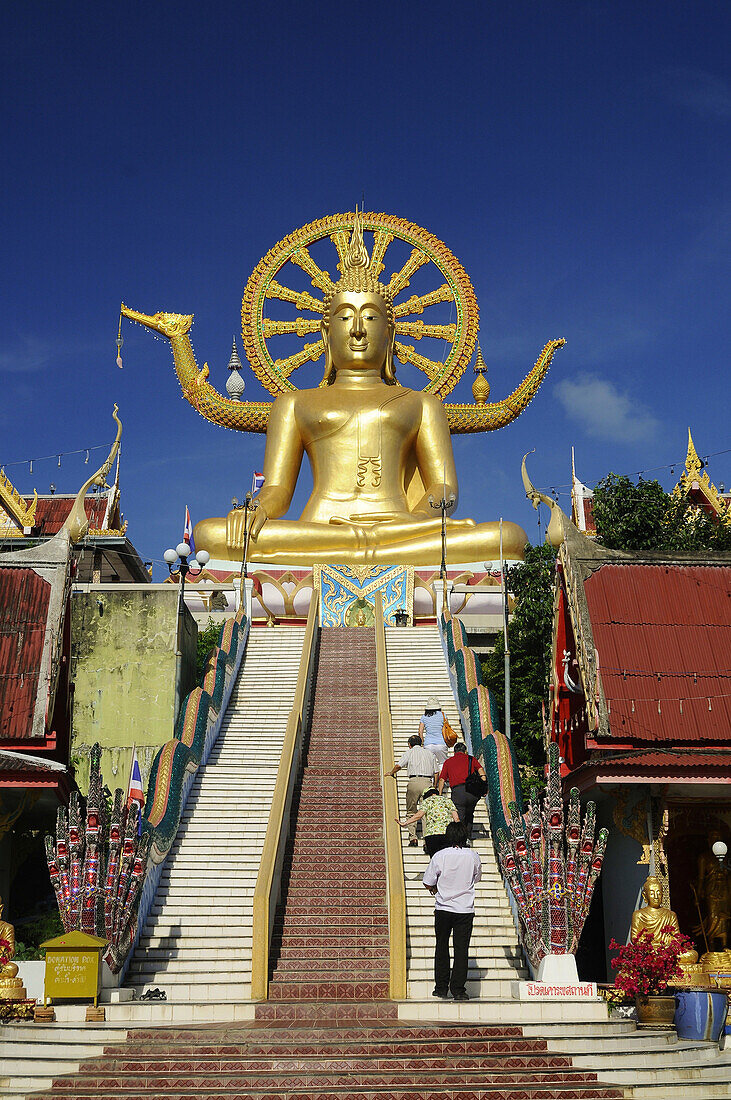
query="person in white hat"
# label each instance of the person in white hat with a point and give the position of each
(430, 730)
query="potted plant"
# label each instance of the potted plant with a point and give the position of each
(644, 971)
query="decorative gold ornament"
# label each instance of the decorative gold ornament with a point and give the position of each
(359, 273)
(480, 386)
(77, 523)
(274, 373)
(695, 476)
(14, 504)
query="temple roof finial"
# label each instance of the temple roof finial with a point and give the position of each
(693, 463)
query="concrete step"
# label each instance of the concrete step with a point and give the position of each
(198, 991)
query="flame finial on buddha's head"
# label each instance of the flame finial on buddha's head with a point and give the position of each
(357, 274)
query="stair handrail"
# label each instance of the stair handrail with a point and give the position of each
(391, 831)
(268, 881)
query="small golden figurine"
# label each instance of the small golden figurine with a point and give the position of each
(11, 986)
(661, 923)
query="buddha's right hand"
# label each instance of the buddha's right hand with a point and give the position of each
(260, 517)
(167, 324)
(236, 526)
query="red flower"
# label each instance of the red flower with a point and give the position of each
(5, 952)
(645, 969)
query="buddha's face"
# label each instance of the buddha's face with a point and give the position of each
(358, 331)
(653, 894)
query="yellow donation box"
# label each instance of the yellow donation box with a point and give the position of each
(73, 967)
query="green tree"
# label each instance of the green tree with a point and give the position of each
(643, 517)
(207, 640)
(629, 516)
(529, 635)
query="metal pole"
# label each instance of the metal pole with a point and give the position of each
(444, 554)
(504, 571)
(178, 644)
(443, 505)
(246, 537)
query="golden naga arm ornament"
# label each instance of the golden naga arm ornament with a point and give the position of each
(487, 418)
(243, 416)
(253, 416)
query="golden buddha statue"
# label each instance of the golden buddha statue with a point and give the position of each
(380, 453)
(11, 986)
(661, 923)
(713, 891)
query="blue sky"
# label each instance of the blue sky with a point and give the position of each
(574, 156)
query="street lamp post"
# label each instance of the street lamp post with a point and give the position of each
(443, 506)
(249, 504)
(179, 566)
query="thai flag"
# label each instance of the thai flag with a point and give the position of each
(188, 531)
(256, 483)
(135, 793)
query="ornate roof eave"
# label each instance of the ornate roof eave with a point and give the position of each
(695, 477)
(16, 506)
(77, 521)
(107, 532)
(579, 557)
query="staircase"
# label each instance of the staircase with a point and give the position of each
(196, 943)
(331, 926)
(416, 670)
(308, 1057)
(360, 1052)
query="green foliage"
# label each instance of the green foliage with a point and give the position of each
(629, 516)
(207, 640)
(529, 635)
(533, 780)
(31, 934)
(643, 517)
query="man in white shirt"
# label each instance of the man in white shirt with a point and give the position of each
(421, 770)
(451, 877)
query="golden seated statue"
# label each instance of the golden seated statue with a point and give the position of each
(11, 986)
(661, 923)
(380, 453)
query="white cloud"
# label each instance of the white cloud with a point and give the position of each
(27, 353)
(604, 411)
(699, 91)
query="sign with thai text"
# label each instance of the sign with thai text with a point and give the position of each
(531, 991)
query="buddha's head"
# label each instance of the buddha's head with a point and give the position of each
(358, 325)
(652, 892)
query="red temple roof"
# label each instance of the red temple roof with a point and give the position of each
(51, 512)
(663, 637)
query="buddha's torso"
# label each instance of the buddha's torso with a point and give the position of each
(358, 440)
(660, 922)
